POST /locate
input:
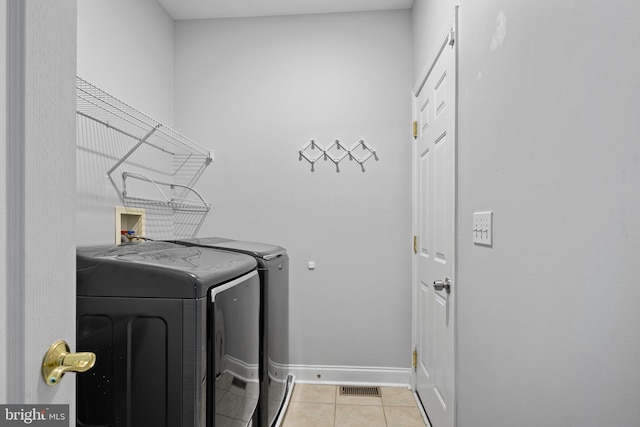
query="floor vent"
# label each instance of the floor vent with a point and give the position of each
(237, 382)
(350, 390)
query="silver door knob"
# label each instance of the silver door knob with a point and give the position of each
(445, 284)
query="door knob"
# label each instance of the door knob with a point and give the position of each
(57, 360)
(445, 284)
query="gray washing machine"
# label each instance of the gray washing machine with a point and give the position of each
(273, 267)
(176, 333)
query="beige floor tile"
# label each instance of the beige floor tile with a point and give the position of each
(359, 416)
(400, 416)
(302, 414)
(397, 396)
(312, 393)
(358, 400)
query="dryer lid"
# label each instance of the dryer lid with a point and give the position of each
(265, 251)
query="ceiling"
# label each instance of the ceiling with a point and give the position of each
(205, 9)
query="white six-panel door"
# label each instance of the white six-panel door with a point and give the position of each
(435, 154)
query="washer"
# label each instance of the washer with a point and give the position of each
(176, 334)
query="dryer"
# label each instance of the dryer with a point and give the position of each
(273, 267)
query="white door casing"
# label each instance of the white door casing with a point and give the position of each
(3, 188)
(38, 287)
(435, 212)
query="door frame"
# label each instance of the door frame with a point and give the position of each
(451, 27)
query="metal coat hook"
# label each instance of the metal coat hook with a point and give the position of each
(369, 152)
(311, 145)
(337, 158)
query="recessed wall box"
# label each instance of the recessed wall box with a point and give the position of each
(129, 220)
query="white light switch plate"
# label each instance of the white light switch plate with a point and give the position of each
(483, 228)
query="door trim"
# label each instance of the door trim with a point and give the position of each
(451, 25)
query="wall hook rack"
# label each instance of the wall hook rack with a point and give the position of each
(360, 152)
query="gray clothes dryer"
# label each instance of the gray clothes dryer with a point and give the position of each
(175, 331)
(273, 267)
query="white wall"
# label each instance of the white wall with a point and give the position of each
(125, 48)
(256, 91)
(548, 140)
(431, 20)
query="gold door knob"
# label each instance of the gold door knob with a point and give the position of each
(58, 360)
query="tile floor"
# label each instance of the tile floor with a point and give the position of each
(235, 401)
(322, 406)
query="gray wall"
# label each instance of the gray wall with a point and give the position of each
(257, 90)
(548, 140)
(126, 49)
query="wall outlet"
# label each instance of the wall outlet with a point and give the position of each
(483, 228)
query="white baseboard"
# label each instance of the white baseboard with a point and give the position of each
(240, 369)
(351, 375)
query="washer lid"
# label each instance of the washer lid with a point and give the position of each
(124, 248)
(260, 250)
(156, 270)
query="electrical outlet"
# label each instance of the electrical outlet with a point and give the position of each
(483, 228)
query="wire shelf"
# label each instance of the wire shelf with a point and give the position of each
(178, 212)
(176, 197)
(98, 105)
(162, 165)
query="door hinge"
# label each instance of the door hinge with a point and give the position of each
(415, 129)
(452, 38)
(415, 359)
(415, 244)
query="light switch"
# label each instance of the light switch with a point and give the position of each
(483, 228)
